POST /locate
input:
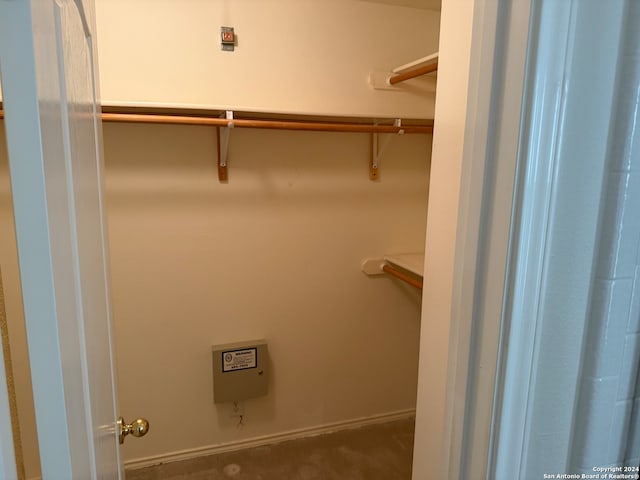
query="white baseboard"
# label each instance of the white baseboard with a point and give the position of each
(267, 439)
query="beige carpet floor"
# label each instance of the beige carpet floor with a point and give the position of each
(377, 452)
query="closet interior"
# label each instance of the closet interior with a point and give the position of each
(276, 191)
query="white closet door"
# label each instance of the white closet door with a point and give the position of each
(54, 139)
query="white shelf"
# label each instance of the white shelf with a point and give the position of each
(420, 62)
(381, 79)
(396, 265)
(413, 262)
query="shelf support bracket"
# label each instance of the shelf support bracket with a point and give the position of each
(223, 147)
(378, 148)
(379, 266)
(373, 161)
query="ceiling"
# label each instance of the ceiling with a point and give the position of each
(424, 4)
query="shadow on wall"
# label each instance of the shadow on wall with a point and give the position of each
(290, 167)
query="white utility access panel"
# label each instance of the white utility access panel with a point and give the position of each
(239, 371)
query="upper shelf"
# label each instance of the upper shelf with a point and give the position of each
(272, 120)
(416, 64)
(412, 262)
(408, 267)
(383, 80)
(216, 118)
(225, 121)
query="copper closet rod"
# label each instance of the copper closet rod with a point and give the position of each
(418, 72)
(317, 126)
(402, 276)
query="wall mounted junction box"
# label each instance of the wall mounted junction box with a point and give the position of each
(227, 39)
(239, 371)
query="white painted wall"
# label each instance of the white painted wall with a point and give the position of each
(311, 56)
(274, 254)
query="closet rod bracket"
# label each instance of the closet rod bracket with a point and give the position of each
(378, 148)
(223, 146)
(373, 161)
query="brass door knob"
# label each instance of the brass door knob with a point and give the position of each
(138, 428)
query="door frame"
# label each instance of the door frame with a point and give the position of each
(512, 130)
(557, 213)
(484, 50)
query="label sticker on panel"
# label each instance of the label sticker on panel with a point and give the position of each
(239, 359)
